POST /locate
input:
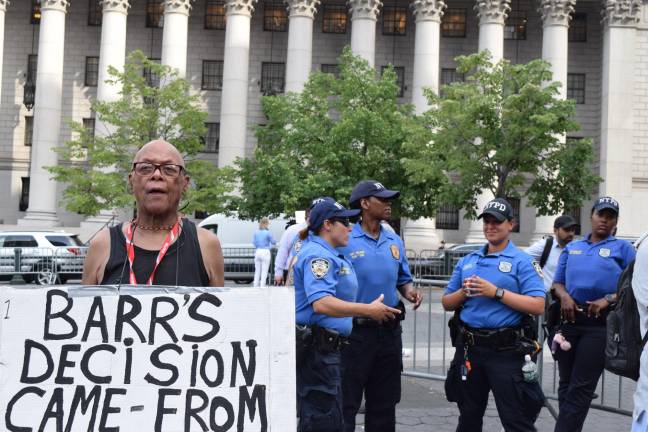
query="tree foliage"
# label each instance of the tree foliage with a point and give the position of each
(500, 130)
(322, 141)
(94, 168)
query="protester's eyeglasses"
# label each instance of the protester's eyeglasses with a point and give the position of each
(343, 221)
(146, 169)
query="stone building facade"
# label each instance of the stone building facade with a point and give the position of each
(234, 51)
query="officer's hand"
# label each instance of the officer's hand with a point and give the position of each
(596, 307)
(413, 296)
(479, 286)
(568, 308)
(279, 280)
(380, 312)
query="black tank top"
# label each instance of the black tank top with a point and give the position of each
(183, 261)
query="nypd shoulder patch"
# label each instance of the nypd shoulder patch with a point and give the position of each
(320, 267)
(538, 269)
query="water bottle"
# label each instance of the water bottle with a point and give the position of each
(529, 370)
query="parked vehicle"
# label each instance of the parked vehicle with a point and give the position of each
(439, 264)
(43, 257)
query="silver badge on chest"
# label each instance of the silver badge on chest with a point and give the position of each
(505, 266)
(605, 252)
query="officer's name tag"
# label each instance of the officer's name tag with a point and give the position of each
(468, 266)
(344, 271)
(605, 252)
(505, 266)
(575, 252)
(357, 254)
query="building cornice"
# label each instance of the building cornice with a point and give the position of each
(240, 7)
(365, 9)
(492, 11)
(428, 10)
(556, 12)
(121, 6)
(60, 5)
(621, 13)
(303, 8)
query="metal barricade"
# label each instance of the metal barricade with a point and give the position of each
(428, 349)
(45, 266)
(239, 265)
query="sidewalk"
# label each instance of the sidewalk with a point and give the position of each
(423, 407)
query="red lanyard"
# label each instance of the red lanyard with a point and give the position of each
(130, 250)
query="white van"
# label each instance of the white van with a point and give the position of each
(236, 241)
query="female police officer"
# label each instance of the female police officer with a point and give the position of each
(586, 283)
(373, 361)
(495, 287)
(325, 291)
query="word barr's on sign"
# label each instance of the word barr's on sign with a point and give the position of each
(147, 359)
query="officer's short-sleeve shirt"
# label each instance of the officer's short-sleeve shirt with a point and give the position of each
(322, 271)
(380, 264)
(589, 270)
(510, 269)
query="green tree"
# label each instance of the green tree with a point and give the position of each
(499, 131)
(94, 169)
(337, 131)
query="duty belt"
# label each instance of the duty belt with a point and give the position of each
(328, 340)
(504, 338)
(389, 324)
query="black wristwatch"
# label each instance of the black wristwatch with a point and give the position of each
(499, 294)
(610, 298)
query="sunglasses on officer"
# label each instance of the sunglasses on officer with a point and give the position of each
(343, 221)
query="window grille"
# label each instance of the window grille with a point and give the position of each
(578, 28)
(215, 15)
(32, 65)
(453, 23)
(576, 87)
(154, 13)
(394, 21)
(272, 78)
(23, 205)
(212, 137)
(29, 131)
(332, 69)
(447, 217)
(91, 71)
(95, 15)
(212, 75)
(335, 19)
(516, 25)
(89, 125)
(275, 17)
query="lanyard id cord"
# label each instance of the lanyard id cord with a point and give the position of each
(130, 251)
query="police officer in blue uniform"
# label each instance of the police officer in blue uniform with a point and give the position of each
(495, 288)
(325, 294)
(586, 284)
(373, 361)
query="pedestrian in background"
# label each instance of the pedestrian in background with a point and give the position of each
(325, 300)
(586, 284)
(373, 361)
(640, 290)
(496, 288)
(262, 241)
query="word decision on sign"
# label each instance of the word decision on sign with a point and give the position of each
(147, 359)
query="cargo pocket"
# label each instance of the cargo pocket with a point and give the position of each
(530, 396)
(453, 382)
(321, 412)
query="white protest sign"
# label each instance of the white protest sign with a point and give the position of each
(147, 359)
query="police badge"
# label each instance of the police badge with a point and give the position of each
(605, 252)
(395, 251)
(319, 267)
(505, 266)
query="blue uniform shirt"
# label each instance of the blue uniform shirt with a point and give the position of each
(321, 271)
(381, 265)
(263, 239)
(589, 270)
(510, 269)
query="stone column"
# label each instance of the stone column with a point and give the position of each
(112, 52)
(47, 115)
(620, 18)
(3, 9)
(364, 14)
(174, 34)
(556, 15)
(421, 233)
(491, 14)
(235, 81)
(300, 43)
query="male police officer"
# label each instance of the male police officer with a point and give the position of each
(495, 288)
(373, 361)
(586, 283)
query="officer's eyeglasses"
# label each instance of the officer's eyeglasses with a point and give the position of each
(343, 221)
(146, 169)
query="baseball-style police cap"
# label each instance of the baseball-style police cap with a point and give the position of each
(328, 209)
(565, 222)
(369, 188)
(499, 208)
(606, 203)
(319, 200)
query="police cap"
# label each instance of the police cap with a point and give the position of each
(369, 188)
(498, 208)
(328, 209)
(606, 202)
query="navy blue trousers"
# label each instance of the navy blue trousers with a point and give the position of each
(580, 369)
(319, 392)
(518, 402)
(372, 365)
